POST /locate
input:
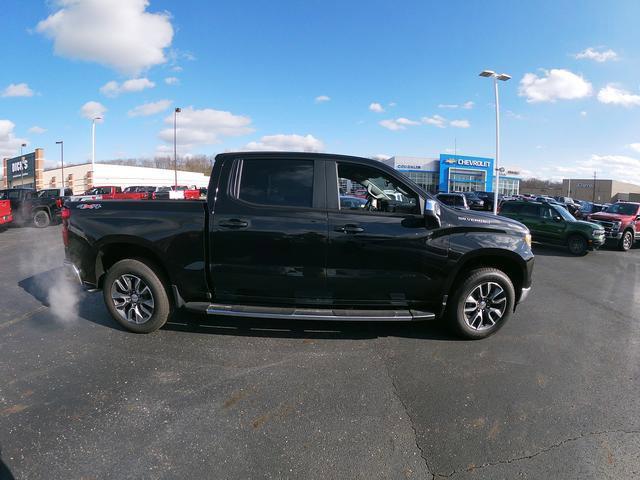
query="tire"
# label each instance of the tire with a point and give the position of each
(577, 245)
(141, 294)
(626, 242)
(475, 324)
(41, 219)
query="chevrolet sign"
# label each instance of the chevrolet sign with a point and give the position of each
(468, 163)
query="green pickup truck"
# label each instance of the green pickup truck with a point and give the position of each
(553, 224)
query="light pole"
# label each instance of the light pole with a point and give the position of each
(22, 145)
(503, 77)
(175, 146)
(61, 143)
(93, 143)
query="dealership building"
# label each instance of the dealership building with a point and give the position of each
(455, 173)
(28, 171)
(600, 191)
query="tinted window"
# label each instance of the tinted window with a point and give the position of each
(510, 208)
(277, 182)
(530, 210)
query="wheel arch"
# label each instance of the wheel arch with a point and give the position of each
(506, 261)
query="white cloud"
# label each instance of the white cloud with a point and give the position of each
(9, 143)
(392, 104)
(119, 34)
(172, 80)
(598, 54)
(92, 109)
(322, 99)
(583, 113)
(17, 90)
(150, 108)
(37, 130)
(617, 167)
(460, 123)
(556, 84)
(205, 126)
(380, 156)
(113, 88)
(397, 124)
(635, 146)
(376, 107)
(616, 96)
(466, 105)
(176, 68)
(435, 120)
(290, 143)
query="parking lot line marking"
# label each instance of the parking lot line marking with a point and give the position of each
(23, 317)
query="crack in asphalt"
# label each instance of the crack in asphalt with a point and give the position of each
(539, 452)
(413, 428)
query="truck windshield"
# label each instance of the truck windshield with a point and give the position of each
(623, 209)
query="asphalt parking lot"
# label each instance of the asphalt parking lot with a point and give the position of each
(555, 394)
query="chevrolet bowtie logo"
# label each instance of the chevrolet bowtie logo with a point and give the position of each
(450, 161)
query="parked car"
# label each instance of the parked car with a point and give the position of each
(488, 199)
(621, 223)
(271, 241)
(181, 192)
(58, 194)
(587, 208)
(146, 190)
(553, 224)
(352, 203)
(111, 192)
(5, 213)
(26, 207)
(474, 201)
(456, 200)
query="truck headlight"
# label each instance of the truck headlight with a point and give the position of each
(616, 225)
(527, 239)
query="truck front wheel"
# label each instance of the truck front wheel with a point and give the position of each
(482, 303)
(41, 219)
(626, 242)
(136, 296)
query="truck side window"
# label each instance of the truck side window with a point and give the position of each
(277, 182)
(530, 210)
(382, 193)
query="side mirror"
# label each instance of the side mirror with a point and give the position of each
(432, 214)
(637, 217)
(557, 218)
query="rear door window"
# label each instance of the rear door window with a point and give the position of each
(530, 210)
(277, 182)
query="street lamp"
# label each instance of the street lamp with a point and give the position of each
(503, 77)
(22, 145)
(93, 143)
(175, 147)
(61, 143)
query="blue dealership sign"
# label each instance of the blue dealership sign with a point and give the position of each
(460, 168)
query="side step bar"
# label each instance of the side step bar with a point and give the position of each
(311, 313)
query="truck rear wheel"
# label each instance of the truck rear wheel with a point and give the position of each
(626, 242)
(41, 219)
(482, 304)
(136, 296)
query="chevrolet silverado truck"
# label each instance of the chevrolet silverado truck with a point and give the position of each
(28, 208)
(621, 223)
(272, 241)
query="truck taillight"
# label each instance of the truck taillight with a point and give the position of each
(59, 202)
(65, 215)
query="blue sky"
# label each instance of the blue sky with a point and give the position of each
(249, 74)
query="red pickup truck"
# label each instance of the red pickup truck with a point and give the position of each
(115, 193)
(5, 212)
(621, 222)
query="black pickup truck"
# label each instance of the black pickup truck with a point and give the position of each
(272, 241)
(30, 208)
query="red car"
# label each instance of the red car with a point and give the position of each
(5, 212)
(621, 223)
(115, 193)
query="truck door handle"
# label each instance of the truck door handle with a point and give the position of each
(349, 229)
(234, 223)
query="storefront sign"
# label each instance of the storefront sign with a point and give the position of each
(23, 166)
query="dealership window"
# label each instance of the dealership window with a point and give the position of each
(461, 180)
(277, 182)
(426, 180)
(509, 186)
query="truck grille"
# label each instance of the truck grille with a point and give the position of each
(608, 226)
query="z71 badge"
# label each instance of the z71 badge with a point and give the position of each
(89, 206)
